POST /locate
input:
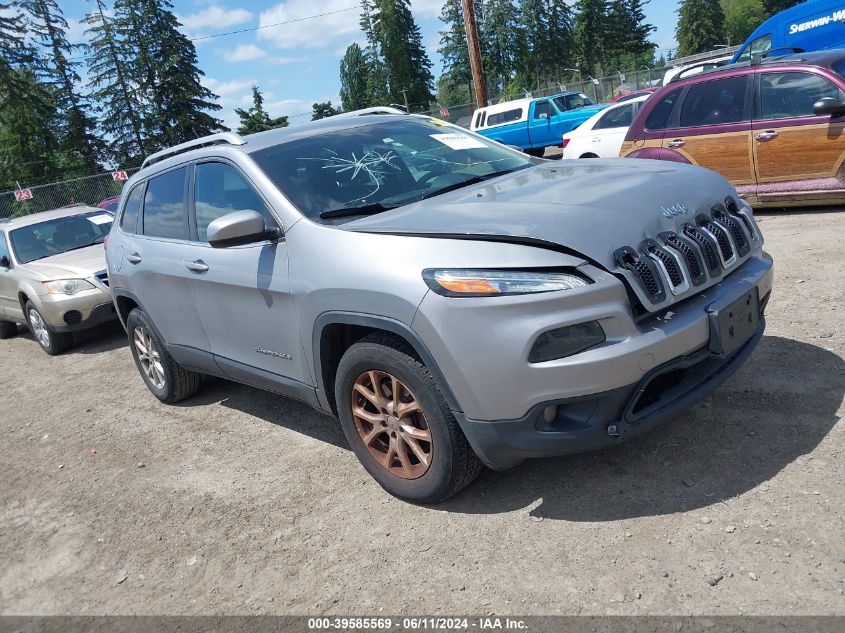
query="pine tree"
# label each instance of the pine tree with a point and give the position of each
(28, 141)
(377, 87)
(548, 33)
(119, 109)
(256, 119)
(776, 6)
(590, 29)
(321, 110)
(741, 18)
(407, 66)
(453, 44)
(167, 73)
(627, 33)
(80, 146)
(505, 43)
(354, 79)
(14, 50)
(700, 27)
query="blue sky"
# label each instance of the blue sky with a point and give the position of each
(296, 64)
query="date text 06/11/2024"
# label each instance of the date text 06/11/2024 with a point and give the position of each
(416, 624)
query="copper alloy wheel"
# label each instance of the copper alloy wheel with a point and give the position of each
(392, 424)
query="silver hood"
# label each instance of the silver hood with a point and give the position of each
(589, 207)
(78, 264)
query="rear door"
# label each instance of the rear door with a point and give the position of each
(712, 128)
(609, 130)
(242, 293)
(792, 144)
(153, 255)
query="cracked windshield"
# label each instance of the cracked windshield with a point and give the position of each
(374, 168)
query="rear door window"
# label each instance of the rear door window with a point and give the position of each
(4, 248)
(132, 209)
(658, 118)
(616, 117)
(792, 94)
(164, 206)
(507, 116)
(716, 102)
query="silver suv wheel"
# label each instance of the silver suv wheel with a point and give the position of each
(148, 356)
(39, 328)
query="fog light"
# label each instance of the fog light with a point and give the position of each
(549, 414)
(566, 341)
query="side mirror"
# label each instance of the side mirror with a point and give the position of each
(239, 227)
(5, 262)
(828, 105)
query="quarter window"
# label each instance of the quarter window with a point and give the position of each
(219, 189)
(164, 206)
(658, 118)
(616, 117)
(132, 209)
(789, 95)
(504, 117)
(715, 102)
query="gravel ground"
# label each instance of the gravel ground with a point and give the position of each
(239, 501)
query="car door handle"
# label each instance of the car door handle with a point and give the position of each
(767, 135)
(678, 142)
(596, 139)
(133, 258)
(197, 266)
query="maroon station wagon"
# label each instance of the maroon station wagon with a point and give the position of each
(775, 128)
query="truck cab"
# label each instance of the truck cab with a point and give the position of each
(810, 26)
(534, 124)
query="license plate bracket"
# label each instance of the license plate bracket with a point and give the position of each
(733, 323)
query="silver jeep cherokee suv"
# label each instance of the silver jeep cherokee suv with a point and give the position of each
(451, 300)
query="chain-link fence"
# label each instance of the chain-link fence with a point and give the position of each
(87, 190)
(599, 90)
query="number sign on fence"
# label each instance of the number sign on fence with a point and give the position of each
(23, 194)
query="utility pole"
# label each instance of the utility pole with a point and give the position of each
(478, 79)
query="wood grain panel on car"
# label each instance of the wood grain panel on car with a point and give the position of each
(799, 152)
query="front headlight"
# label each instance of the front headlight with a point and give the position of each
(66, 286)
(461, 282)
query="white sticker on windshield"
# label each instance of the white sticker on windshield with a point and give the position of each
(459, 141)
(103, 218)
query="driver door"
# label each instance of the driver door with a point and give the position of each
(8, 286)
(792, 144)
(540, 128)
(242, 293)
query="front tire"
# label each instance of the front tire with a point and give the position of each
(165, 378)
(54, 343)
(398, 423)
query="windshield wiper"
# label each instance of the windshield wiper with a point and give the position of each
(474, 180)
(76, 248)
(366, 209)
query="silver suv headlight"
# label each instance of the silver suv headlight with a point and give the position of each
(66, 286)
(463, 282)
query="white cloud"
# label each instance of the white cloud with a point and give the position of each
(328, 31)
(215, 17)
(426, 8)
(245, 53)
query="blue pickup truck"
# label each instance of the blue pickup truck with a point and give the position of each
(534, 124)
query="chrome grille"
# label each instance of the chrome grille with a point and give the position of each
(675, 262)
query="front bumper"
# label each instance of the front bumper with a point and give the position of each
(607, 418)
(70, 313)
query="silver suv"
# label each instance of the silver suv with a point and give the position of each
(53, 276)
(451, 300)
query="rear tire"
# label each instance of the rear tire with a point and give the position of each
(54, 343)
(588, 155)
(431, 458)
(165, 378)
(536, 152)
(8, 329)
